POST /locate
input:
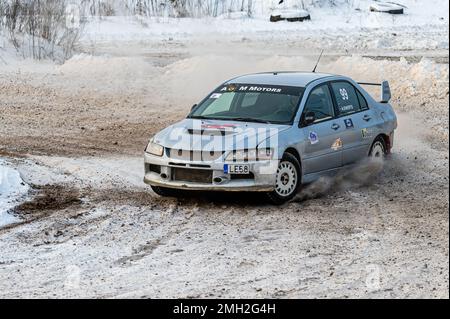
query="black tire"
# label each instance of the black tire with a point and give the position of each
(275, 18)
(164, 191)
(379, 142)
(299, 19)
(275, 197)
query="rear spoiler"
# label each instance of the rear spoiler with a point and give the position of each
(385, 90)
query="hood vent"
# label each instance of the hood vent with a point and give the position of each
(209, 132)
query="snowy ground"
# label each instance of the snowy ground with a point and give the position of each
(344, 17)
(12, 189)
(90, 228)
(349, 27)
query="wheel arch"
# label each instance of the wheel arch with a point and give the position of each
(293, 151)
(289, 154)
(386, 139)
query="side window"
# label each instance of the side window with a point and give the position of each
(319, 102)
(362, 101)
(346, 98)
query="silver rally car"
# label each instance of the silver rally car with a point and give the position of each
(272, 133)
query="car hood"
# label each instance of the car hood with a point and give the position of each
(201, 135)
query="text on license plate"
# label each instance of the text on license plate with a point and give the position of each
(236, 169)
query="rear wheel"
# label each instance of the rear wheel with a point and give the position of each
(378, 149)
(288, 180)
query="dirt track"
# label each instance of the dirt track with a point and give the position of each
(92, 229)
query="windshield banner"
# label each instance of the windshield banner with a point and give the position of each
(258, 88)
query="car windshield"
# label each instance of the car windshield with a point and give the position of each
(250, 103)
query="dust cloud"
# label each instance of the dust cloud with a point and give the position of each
(362, 174)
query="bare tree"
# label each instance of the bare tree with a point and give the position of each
(38, 28)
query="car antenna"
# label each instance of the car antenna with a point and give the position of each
(317, 64)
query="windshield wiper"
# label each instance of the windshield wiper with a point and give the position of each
(198, 117)
(240, 119)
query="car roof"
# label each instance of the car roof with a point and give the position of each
(299, 79)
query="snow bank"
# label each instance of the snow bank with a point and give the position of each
(260, 8)
(344, 15)
(190, 79)
(425, 78)
(12, 189)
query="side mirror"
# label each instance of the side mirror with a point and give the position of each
(310, 117)
(385, 92)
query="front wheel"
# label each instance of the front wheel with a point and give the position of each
(288, 179)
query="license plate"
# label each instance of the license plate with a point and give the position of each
(236, 169)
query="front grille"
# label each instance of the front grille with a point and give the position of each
(192, 175)
(186, 155)
(200, 165)
(177, 164)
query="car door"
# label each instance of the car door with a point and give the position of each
(354, 114)
(365, 123)
(322, 147)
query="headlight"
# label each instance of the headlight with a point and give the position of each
(154, 149)
(250, 155)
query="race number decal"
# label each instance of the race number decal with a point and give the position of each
(344, 94)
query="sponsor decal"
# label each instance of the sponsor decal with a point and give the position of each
(260, 89)
(337, 145)
(231, 88)
(346, 108)
(254, 88)
(348, 123)
(251, 88)
(215, 96)
(365, 133)
(313, 138)
(228, 88)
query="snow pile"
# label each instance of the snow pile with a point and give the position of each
(12, 188)
(425, 78)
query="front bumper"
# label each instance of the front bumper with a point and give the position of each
(261, 177)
